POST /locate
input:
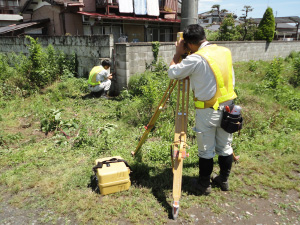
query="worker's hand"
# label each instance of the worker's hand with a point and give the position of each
(110, 76)
(180, 48)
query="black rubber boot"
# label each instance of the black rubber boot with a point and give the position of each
(204, 185)
(225, 163)
(205, 170)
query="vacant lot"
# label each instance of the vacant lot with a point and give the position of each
(50, 139)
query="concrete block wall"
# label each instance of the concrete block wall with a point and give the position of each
(259, 50)
(131, 58)
(89, 49)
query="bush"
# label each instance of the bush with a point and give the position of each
(22, 75)
(228, 30)
(273, 73)
(69, 87)
(295, 79)
(293, 55)
(266, 27)
(47, 65)
(143, 95)
(211, 35)
(52, 121)
(253, 65)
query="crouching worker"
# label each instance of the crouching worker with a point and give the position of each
(100, 80)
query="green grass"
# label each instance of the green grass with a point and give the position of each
(51, 172)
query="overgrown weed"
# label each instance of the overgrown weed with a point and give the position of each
(58, 167)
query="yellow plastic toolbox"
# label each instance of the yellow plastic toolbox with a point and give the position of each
(112, 174)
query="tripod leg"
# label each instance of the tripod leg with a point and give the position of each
(155, 116)
(179, 150)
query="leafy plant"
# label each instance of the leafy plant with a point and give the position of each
(42, 66)
(266, 27)
(295, 79)
(228, 30)
(155, 50)
(253, 65)
(273, 73)
(211, 35)
(52, 121)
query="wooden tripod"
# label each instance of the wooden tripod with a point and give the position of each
(178, 150)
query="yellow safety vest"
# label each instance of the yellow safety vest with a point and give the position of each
(220, 61)
(93, 74)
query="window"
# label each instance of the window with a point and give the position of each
(156, 34)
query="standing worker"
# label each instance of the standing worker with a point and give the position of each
(100, 80)
(209, 68)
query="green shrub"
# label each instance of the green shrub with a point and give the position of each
(293, 55)
(266, 27)
(52, 121)
(145, 91)
(228, 30)
(155, 50)
(22, 75)
(295, 79)
(273, 73)
(253, 66)
(68, 87)
(211, 35)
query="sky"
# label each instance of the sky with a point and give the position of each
(281, 8)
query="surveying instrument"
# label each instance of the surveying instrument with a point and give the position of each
(178, 148)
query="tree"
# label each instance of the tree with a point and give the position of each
(247, 22)
(228, 31)
(266, 27)
(219, 12)
(217, 7)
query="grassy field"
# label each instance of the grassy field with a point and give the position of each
(50, 140)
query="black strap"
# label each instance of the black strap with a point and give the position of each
(107, 162)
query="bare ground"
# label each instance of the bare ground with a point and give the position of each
(278, 208)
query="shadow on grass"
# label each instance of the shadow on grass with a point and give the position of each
(98, 96)
(91, 95)
(160, 183)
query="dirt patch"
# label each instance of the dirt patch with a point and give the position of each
(279, 208)
(10, 215)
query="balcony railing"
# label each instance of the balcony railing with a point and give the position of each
(107, 2)
(170, 6)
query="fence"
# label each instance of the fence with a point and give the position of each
(89, 49)
(131, 58)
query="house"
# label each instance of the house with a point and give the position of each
(138, 21)
(62, 16)
(126, 20)
(212, 17)
(211, 20)
(286, 28)
(9, 13)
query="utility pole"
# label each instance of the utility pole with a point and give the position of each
(189, 13)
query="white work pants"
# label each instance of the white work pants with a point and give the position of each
(211, 138)
(105, 85)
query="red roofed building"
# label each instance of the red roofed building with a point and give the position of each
(126, 20)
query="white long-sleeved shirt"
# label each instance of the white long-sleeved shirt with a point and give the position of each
(103, 78)
(202, 79)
